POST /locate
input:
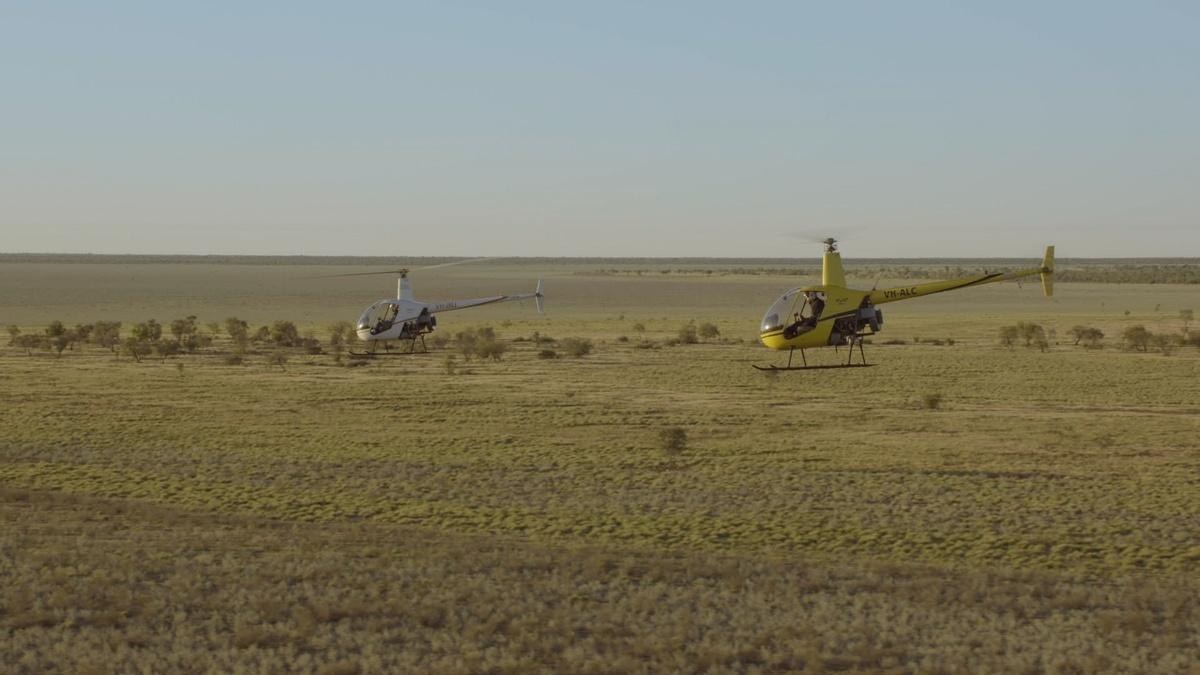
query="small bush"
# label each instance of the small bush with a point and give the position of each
(932, 401)
(577, 347)
(709, 331)
(234, 360)
(490, 349)
(687, 333)
(672, 440)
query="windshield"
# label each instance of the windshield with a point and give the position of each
(789, 308)
(378, 316)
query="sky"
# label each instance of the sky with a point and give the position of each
(600, 129)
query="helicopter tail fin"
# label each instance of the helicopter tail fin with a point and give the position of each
(1047, 272)
(539, 298)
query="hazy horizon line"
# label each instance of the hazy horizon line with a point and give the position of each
(231, 258)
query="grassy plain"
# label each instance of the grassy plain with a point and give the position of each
(521, 515)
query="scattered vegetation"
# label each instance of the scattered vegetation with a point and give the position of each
(1032, 335)
(539, 537)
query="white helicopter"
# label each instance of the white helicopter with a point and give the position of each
(404, 318)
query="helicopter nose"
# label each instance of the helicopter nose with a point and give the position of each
(773, 339)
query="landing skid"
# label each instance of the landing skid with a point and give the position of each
(387, 349)
(833, 367)
(852, 340)
(371, 355)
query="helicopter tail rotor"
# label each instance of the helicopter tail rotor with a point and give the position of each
(1047, 272)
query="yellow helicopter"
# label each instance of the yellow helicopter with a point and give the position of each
(833, 315)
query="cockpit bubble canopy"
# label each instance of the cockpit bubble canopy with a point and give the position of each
(383, 311)
(789, 308)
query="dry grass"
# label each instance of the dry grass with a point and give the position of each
(521, 516)
(119, 587)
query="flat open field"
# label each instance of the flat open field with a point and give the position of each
(523, 515)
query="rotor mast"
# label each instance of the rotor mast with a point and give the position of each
(404, 286)
(831, 265)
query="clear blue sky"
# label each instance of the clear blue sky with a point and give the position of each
(608, 128)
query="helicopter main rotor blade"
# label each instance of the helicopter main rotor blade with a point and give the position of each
(449, 264)
(819, 236)
(401, 271)
(356, 274)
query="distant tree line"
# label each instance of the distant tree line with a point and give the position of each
(179, 336)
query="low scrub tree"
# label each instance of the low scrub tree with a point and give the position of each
(107, 334)
(284, 334)
(165, 348)
(182, 329)
(1165, 342)
(55, 329)
(239, 333)
(147, 331)
(135, 348)
(709, 331)
(1033, 334)
(1136, 338)
(82, 332)
(13, 332)
(1088, 336)
(1009, 335)
(31, 341)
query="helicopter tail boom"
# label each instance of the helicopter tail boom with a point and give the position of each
(1045, 271)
